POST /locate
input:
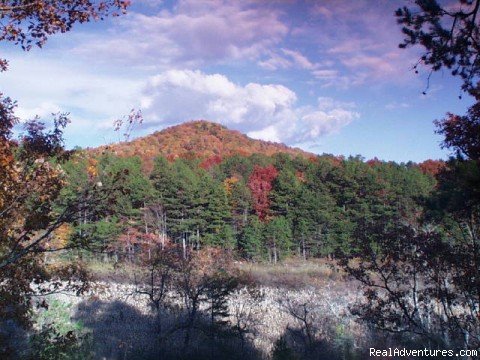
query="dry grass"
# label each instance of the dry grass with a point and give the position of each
(293, 273)
(112, 272)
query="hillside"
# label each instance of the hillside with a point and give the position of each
(198, 139)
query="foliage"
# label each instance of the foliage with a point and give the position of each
(31, 183)
(58, 337)
(210, 142)
(420, 276)
(448, 34)
(31, 177)
(260, 185)
(45, 18)
(308, 208)
(416, 282)
(462, 133)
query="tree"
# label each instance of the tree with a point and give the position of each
(449, 34)
(216, 214)
(416, 281)
(420, 273)
(204, 277)
(250, 243)
(278, 235)
(156, 279)
(31, 22)
(462, 133)
(31, 182)
(260, 185)
(285, 189)
(31, 177)
(239, 199)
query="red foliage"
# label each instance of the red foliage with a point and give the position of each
(431, 167)
(462, 133)
(336, 161)
(374, 162)
(133, 241)
(211, 161)
(172, 157)
(260, 185)
(198, 140)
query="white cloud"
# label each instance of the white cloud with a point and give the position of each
(362, 40)
(45, 109)
(43, 85)
(270, 133)
(325, 74)
(191, 34)
(299, 59)
(267, 112)
(287, 58)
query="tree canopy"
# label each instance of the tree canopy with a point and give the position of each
(449, 35)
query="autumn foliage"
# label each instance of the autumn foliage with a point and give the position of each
(260, 185)
(432, 167)
(462, 132)
(201, 139)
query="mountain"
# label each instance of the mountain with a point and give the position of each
(198, 139)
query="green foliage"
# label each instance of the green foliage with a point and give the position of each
(306, 207)
(58, 337)
(251, 239)
(278, 236)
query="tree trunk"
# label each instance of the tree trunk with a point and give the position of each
(184, 245)
(304, 251)
(275, 259)
(198, 238)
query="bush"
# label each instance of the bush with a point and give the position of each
(57, 336)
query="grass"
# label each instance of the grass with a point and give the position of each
(293, 273)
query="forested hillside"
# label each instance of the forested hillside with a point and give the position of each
(198, 242)
(209, 186)
(200, 139)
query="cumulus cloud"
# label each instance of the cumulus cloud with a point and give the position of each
(263, 111)
(43, 110)
(42, 86)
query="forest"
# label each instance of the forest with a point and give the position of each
(263, 208)
(198, 242)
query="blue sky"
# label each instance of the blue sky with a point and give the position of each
(326, 76)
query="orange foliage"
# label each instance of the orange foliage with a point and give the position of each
(300, 176)
(432, 167)
(201, 140)
(60, 237)
(133, 240)
(228, 184)
(211, 161)
(92, 168)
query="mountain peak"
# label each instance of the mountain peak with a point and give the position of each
(199, 139)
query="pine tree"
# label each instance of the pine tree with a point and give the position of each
(278, 236)
(251, 239)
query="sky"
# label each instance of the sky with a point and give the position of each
(326, 76)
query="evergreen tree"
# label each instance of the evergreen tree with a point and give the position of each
(278, 237)
(251, 239)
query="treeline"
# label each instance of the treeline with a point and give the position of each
(264, 208)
